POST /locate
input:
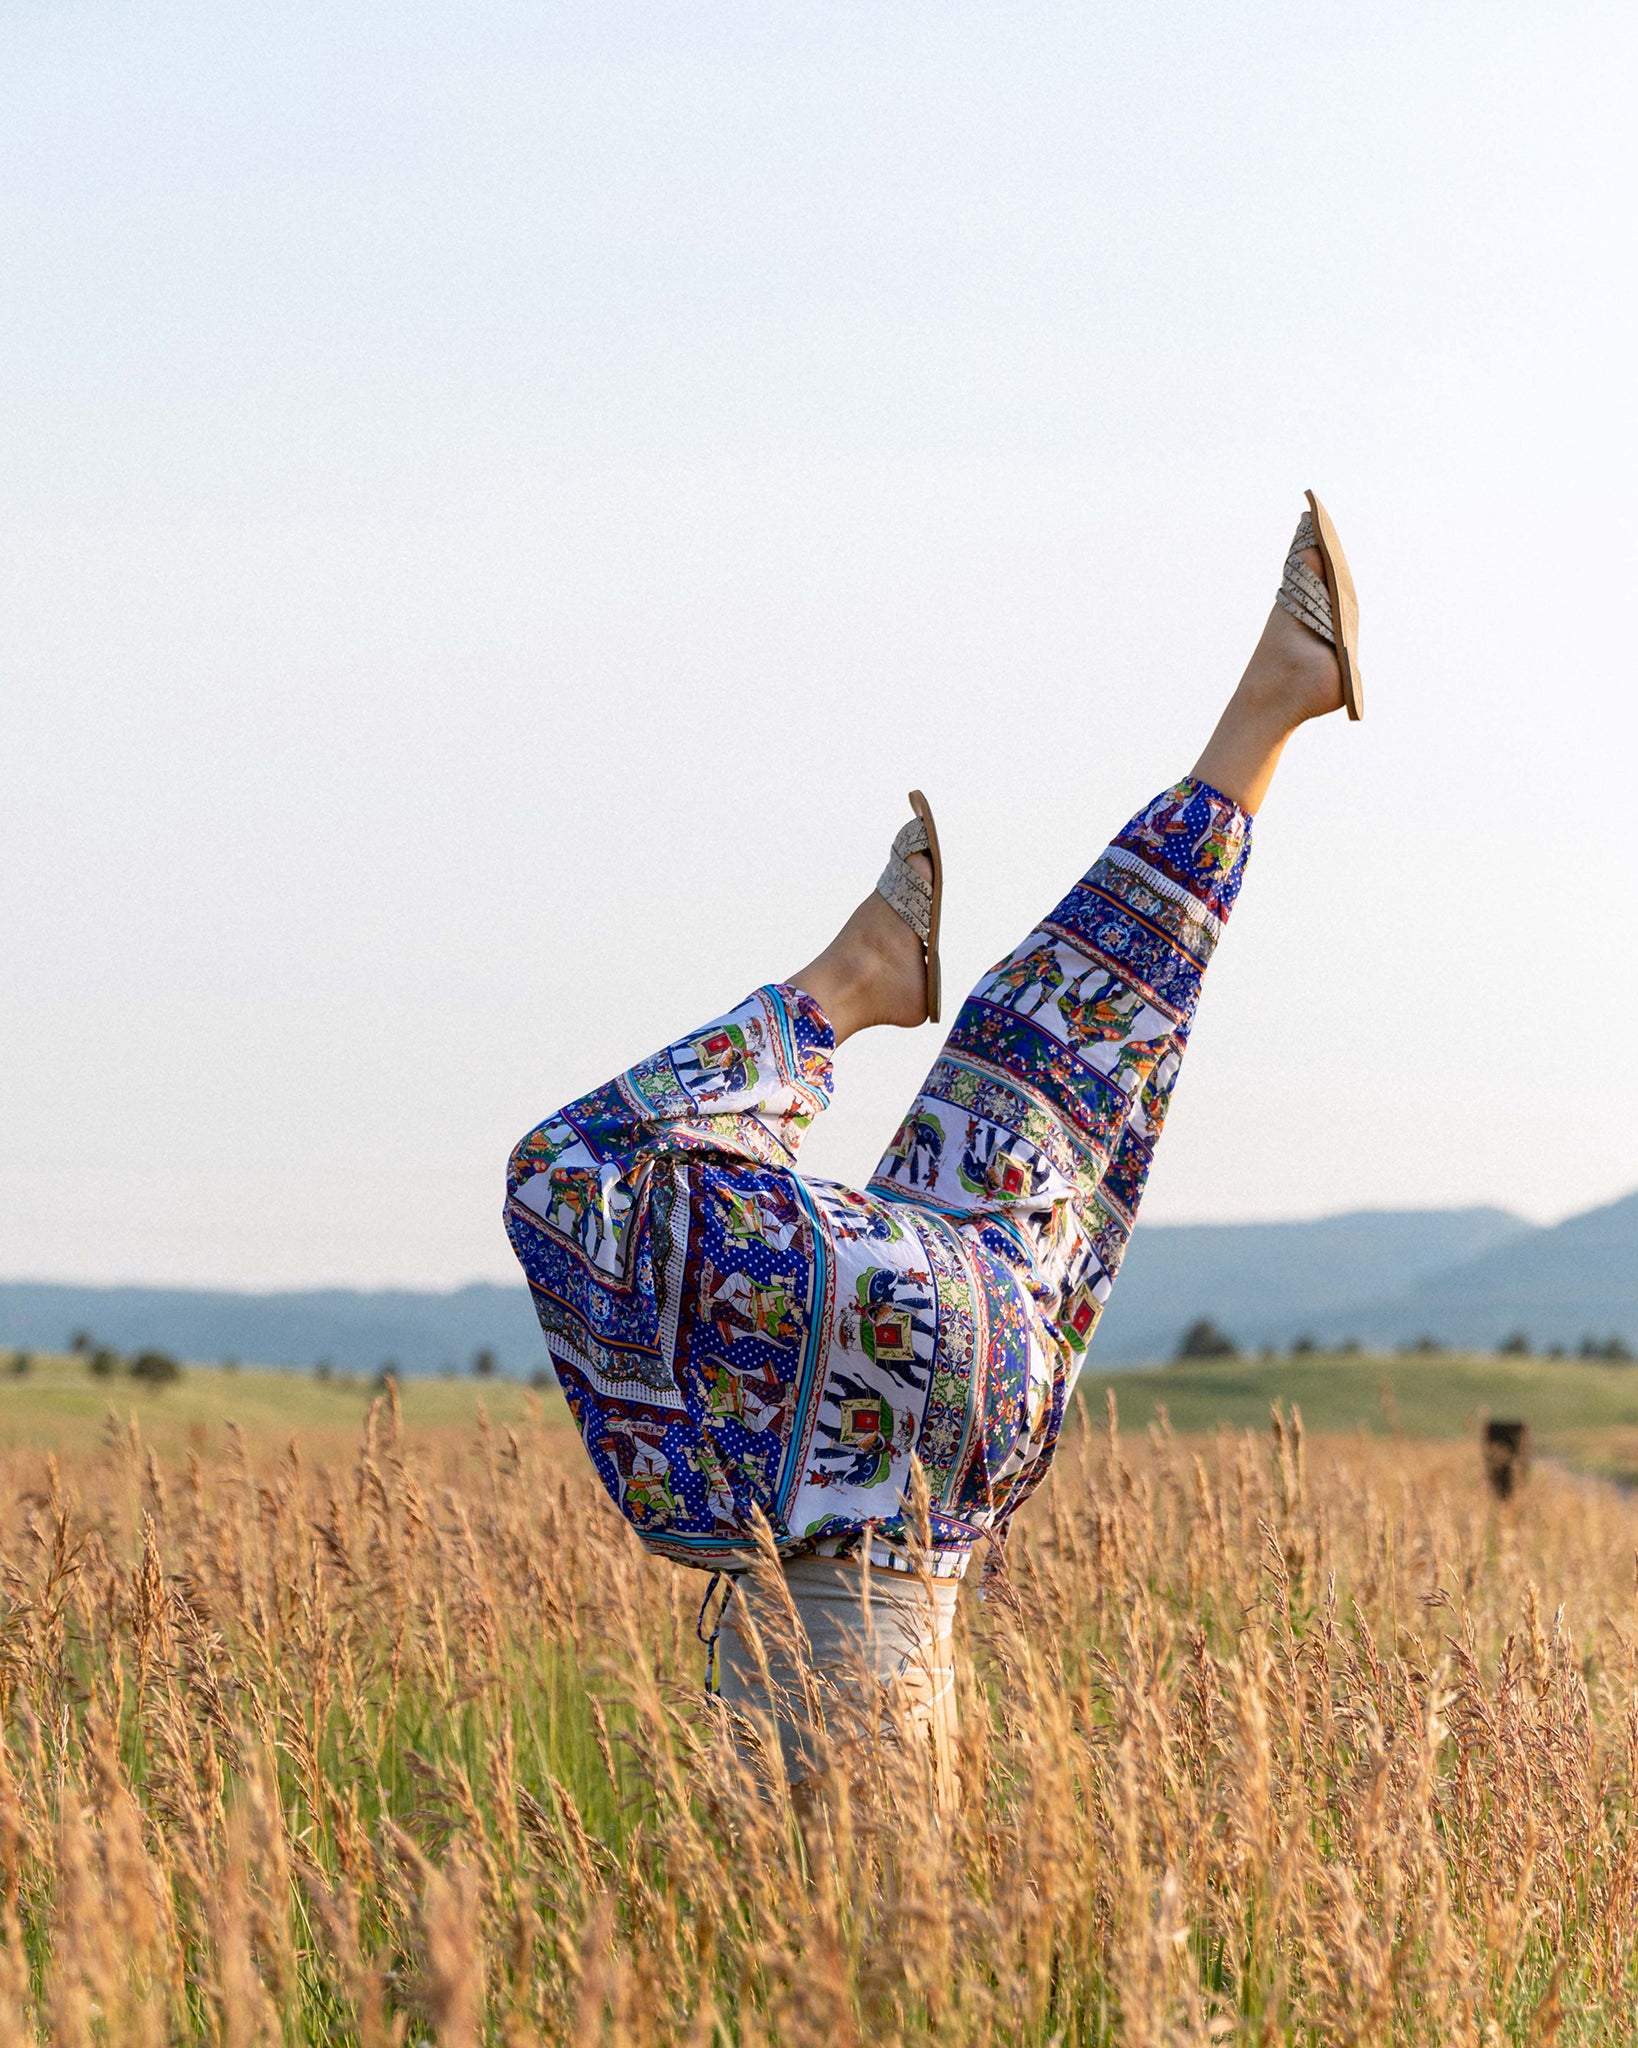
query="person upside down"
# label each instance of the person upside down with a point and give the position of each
(736, 1341)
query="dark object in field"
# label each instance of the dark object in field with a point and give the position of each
(1506, 1457)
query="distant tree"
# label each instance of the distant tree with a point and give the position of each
(1350, 1347)
(1302, 1346)
(102, 1363)
(81, 1341)
(230, 1363)
(483, 1363)
(541, 1378)
(1555, 1351)
(1203, 1339)
(323, 1370)
(1613, 1350)
(1515, 1346)
(21, 1363)
(1424, 1347)
(155, 1368)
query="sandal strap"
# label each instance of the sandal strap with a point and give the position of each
(909, 893)
(1301, 592)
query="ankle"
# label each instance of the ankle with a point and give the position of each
(872, 972)
(1270, 697)
(1292, 676)
(842, 981)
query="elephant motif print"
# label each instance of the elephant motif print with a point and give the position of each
(997, 1164)
(721, 1062)
(854, 1218)
(892, 1320)
(856, 1448)
(917, 1148)
(1085, 1290)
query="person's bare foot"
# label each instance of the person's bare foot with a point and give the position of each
(1293, 675)
(874, 971)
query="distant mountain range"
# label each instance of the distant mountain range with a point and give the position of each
(1269, 1283)
(1463, 1277)
(356, 1330)
(1386, 1277)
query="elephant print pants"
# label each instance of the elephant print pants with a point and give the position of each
(733, 1338)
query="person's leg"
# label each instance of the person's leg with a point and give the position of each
(1037, 1127)
(1043, 1111)
(660, 1227)
(1291, 677)
(871, 972)
(903, 1643)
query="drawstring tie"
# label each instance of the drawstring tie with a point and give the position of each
(712, 1662)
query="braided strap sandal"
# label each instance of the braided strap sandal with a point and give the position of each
(918, 901)
(1329, 607)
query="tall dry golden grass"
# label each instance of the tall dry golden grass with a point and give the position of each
(1257, 1747)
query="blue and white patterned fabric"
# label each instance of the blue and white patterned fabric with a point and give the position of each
(731, 1336)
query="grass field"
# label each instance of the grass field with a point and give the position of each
(1586, 1412)
(1269, 1734)
(60, 1406)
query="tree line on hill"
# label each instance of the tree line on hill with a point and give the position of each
(1205, 1339)
(160, 1368)
(153, 1368)
(484, 1366)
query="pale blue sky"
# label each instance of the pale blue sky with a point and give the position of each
(497, 503)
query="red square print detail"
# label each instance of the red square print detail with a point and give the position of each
(890, 1328)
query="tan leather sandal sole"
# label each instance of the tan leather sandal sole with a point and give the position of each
(1339, 585)
(912, 895)
(935, 979)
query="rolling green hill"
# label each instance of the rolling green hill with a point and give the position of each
(1437, 1396)
(59, 1405)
